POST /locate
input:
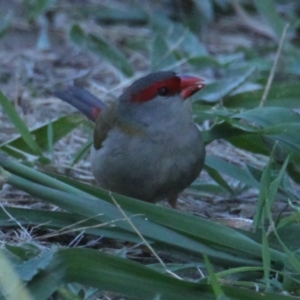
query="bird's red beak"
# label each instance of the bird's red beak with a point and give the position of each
(190, 85)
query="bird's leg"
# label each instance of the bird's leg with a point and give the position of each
(172, 200)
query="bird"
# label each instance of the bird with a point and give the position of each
(145, 144)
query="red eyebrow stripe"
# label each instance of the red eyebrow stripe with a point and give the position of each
(150, 92)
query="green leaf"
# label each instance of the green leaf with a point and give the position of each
(249, 142)
(266, 194)
(161, 54)
(19, 124)
(187, 42)
(82, 151)
(30, 268)
(284, 95)
(112, 273)
(24, 251)
(268, 116)
(201, 62)
(214, 281)
(279, 123)
(166, 226)
(128, 278)
(102, 48)
(50, 136)
(151, 229)
(235, 172)
(216, 91)
(60, 128)
(178, 38)
(266, 256)
(268, 11)
(199, 188)
(215, 175)
(11, 287)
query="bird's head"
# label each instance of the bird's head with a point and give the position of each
(158, 96)
(162, 84)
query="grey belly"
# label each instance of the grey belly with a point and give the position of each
(149, 169)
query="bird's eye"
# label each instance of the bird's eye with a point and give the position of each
(163, 91)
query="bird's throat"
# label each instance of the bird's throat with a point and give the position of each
(130, 128)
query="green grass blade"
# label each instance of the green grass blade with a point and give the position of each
(105, 212)
(161, 54)
(216, 176)
(266, 256)
(214, 280)
(268, 11)
(50, 136)
(62, 222)
(128, 278)
(235, 172)
(201, 229)
(101, 47)
(20, 125)
(60, 128)
(11, 287)
(215, 91)
(82, 151)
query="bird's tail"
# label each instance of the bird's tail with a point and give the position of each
(83, 100)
